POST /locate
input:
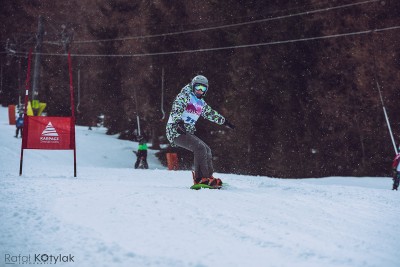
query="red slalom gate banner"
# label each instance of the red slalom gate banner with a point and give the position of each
(51, 133)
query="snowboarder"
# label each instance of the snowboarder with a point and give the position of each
(187, 107)
(396, 171)
(20, 125)
(141, 154)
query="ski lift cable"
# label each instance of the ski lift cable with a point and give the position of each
(233, 46)
(268, 13)
(229, 25)
(197, 24)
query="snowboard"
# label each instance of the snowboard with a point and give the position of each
(200, 186)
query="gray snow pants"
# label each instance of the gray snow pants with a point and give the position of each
(202, 154)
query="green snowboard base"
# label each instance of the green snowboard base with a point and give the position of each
(200, 186)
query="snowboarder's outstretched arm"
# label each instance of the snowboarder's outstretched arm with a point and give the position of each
(212, 115)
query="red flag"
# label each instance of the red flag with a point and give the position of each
(49, 133)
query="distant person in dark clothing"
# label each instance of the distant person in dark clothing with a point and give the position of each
(396, 172)
(141, 161)
(20, 125)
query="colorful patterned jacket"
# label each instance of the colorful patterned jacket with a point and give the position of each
(189, 108)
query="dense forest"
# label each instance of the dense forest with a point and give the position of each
(299, 78)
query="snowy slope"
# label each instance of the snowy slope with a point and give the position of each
(113, 215)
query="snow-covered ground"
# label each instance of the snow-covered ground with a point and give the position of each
(114, 215)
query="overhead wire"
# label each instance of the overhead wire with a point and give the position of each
(234, 46)
(203, 23)
(228, 25)
(224, 26)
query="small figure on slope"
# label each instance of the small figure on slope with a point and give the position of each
(141, 161)
(20, 125)
(396, 171)
(187, 107)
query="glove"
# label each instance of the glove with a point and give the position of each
(181, 127)
(229, 125)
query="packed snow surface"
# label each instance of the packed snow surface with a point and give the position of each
(114, 215)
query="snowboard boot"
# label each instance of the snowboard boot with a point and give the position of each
(209, 181)
(199, 180)
(218, 181)
(212, 181)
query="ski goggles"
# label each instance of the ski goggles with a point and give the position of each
(200, 87)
